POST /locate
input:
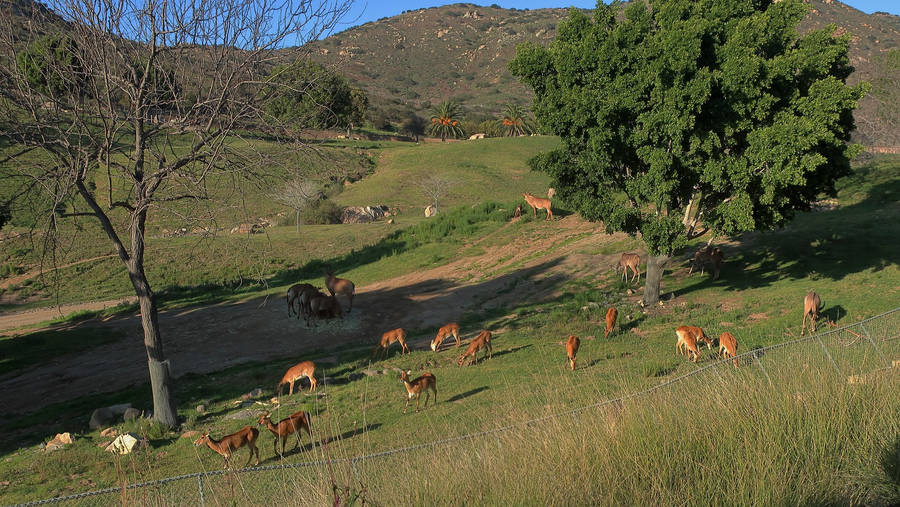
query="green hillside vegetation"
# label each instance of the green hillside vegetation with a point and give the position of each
(778, 438)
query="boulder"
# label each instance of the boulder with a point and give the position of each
(371, 373)
(477, 136)
(430, 211)
(240, 414)
(131, 414)
(201, 408)
(362, 214)
(256, 393)
(125, 444)
(59, 441)
(103, 417)
(108, 432)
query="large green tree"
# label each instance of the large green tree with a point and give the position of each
(308, 94)
(717, 108)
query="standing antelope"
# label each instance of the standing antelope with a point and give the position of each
(337, 285)
(230, 443)
(323, 307)
(415, 388)
(811, 306)
(611, 315)
(572, 345)
(707, 255)
(305, 369)
(483, 340)
(728, 347)
(286, 427)
(293, 294)
(632, 261)
(394, 335)
(451, 329)
(537, 203)
(687, 337)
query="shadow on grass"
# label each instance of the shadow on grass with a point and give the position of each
(468, 393)
(39, 347)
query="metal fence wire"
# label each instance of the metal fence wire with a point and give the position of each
(852, 352)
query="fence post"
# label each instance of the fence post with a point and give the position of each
(880, 353)
(824, 348)
(200, 487)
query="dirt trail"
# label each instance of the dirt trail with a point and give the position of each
(211, 338)
(16, 320)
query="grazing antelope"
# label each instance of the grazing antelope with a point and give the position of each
(303, 302)
(630, 261)
(483, 340)
(572, 345)
(687, 337)
(323, 307)
(305, 369)
(230, 443)
(293, 294)
(728, 347)
(337, 285)
(394, 335)
(707, 255)
(415, 388)
(286, 427)
(537, 203)
(611, 315)
(451, 329)
(811, 306)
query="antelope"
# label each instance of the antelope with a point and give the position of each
(230, 443)
(415, 388)
(572, 345)
(337, 285)
(632, 261)
(537, 203)
(611, 316)
(811, 306)
(451, 329)
(305, 369)
(322, 306)
(483, 340)
(707, 255)
(286, 427)
(293, 294)
(728, 347)
(395, 335)
(303, 302)
(687, 337)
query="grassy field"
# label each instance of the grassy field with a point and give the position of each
(792, 432)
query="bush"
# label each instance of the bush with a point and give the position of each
(321, 213)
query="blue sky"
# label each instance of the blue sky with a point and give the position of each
(364, 11)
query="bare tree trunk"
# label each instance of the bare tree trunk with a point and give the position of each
(655, 267)
(298, 221)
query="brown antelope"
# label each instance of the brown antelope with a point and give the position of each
(537, 203)
(811, 306)
(483, 340)
(323, 307)
(630, 261)
(707, 255)
(286, 427)
(611, 315)
(572, 345)
(305, 369)
(728, 347)
(337, 285)
(303, 302)
(230, 443)
(394, 335)
(293, 294)
(687, 337)
(415, 388)
(451, 329)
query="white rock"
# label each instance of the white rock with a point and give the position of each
(125, 444)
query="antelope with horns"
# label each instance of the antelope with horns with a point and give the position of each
(811, 306)
(728, 347)
(572, 345)
(305, 369)
(230, 443)
(415, 388)
(482, 341)
(343, 286)
(394, 335)
(290, 425)
(537, 203)
(687, 338)
(451, 329)
(611, 315)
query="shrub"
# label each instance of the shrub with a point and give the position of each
(321, 213)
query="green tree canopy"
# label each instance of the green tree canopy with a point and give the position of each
(52, 65)
(445, 120)
(718, 103)
(308, 94)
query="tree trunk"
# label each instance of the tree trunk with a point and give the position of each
(298, 221)
(655, 267)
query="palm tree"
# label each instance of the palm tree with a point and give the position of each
(444, 120)
(516, 121)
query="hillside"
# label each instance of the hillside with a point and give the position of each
(422, 57)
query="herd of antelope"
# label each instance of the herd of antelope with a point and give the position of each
(309, 302)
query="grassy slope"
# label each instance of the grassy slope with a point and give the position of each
(786, 458)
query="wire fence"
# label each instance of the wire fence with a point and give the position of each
(855, 352)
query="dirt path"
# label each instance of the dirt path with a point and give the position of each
(211, 338)
(16, 320)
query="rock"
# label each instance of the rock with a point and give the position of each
(592, 304)
(190, 434)
(131, 414)
(391, 221)
(240, 414)
(629, 292)
(126, 443)
(252, 394)
(477, 136)
(201, 408)
(247, 229)
(59, 441)
(108, 432)
(430, 211)
(104, 445)
(355, 376)
(104, 416)
(371, 373)
(362, 214)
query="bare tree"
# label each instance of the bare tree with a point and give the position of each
(298, 194)
(143, 108)
(435, 186)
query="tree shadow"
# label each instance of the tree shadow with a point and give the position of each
(468, 393)
(510, 351)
